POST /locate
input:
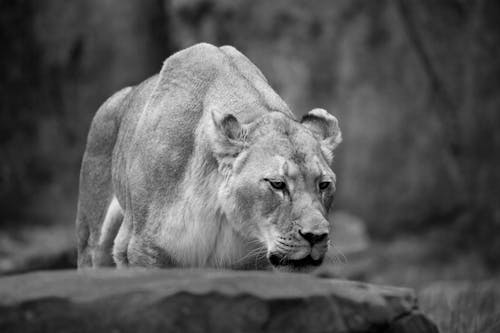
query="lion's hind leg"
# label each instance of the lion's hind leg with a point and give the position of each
(96, 188)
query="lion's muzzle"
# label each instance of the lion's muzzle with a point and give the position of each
(306, 251)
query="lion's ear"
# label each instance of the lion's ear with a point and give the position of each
(227, 137)
(325, 128)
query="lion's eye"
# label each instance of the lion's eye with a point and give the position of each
(324, 185)
(277, 184)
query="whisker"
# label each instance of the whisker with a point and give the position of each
(282, 248)
(283, 259)
(342, 258)
(332, 259)
(282, 243)
(254, 252)
(257, 252)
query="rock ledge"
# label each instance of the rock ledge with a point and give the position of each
(202, 301)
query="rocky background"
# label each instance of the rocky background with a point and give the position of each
(415, 85)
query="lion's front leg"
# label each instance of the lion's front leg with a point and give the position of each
(122, 240)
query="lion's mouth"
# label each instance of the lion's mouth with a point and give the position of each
(279, 260)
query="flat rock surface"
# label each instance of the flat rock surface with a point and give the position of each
(200, 301)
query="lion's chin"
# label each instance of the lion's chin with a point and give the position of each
(304, 265)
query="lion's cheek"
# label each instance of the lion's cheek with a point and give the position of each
(328, 201)
(272, 204)
(245, 199)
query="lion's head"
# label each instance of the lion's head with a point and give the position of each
(279, 183)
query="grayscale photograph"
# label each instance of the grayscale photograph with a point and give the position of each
(323, 166)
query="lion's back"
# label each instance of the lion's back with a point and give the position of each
(132, 111)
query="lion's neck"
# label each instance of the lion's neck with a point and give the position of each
(196, 233)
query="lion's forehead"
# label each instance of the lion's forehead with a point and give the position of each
(292, 154)
(278, 140)
(285, 135)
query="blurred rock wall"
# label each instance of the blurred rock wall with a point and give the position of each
(415, 85)
(59, 61)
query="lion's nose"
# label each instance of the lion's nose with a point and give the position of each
(313, 237)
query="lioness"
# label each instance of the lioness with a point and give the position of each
(203, 165)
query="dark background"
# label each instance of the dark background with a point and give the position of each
(415, 85)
